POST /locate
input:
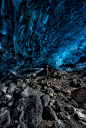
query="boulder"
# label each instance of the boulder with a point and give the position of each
(81, 114)
(48, 113)
(79, 94)
(70, 109)
(11, 88)
(4, 118)
(64, 115)
(45, 100)
(28, 91)
(28, 110)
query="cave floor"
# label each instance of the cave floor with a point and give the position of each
(61, 84)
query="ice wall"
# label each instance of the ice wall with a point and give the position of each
(45, 31)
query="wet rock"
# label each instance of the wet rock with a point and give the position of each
(48, 113)
(4, 118)
(45, 100)
(70, 109)
(79, 94)
(28, 91)
(64, 115)
(28, 110)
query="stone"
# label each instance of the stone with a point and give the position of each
(74, 103)
(58, 124)
(49, 90)
(10, 104)
(69, 109)
(51, 95)
(22, 125)
(11, 88)
(3, 89)
(61, 73)
(8, 81)
(84, 106)
(45, 87)
(4, 118)
(57, 89)
(64, 115)
(48, 113)
(51, 102)
(28, 91)
(8, 97)
(54, 74)
(82, 123)
(28, 110)
(45, 100)
(74, 83)
(79, 94)
(81, 114)
(56, 106)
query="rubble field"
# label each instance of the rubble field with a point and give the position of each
(56, 100)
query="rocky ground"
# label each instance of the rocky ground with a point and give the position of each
(54, 101)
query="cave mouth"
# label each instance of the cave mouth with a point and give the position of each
(38, 33)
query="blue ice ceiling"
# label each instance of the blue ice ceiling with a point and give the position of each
(40, 32)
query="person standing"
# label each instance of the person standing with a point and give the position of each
(47, 71)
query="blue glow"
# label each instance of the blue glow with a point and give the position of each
(51, 32)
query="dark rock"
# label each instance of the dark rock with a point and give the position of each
(10, 104)
(58, 124)
(81, 114)
(56, 88)
(45, 100)
(22, 125)
(28, 91)
(79, 94)
(3, 89)
(50, 90)
(29, 110)
(57, 106)
(12, 88)
(74, 103)
(4, 119)
(74, 83)
(48, 113)
(64, 115)
(70, 109)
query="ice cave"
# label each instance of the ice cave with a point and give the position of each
(38, 32)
